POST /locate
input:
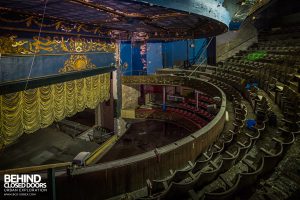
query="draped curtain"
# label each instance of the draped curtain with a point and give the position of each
(29, 110)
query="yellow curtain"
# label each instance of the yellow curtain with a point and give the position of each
(80, 93)
(70, 98)
(29, 110)
(11, 114)
(59, 101)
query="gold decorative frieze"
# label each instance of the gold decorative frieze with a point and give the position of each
(58, 25)
(13, 45)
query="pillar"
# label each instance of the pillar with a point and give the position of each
(164, 99)
(98, 115)
(117, 91)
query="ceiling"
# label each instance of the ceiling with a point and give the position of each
(119, 19)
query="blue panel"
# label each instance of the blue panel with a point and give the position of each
(179, 49)
(154, 57)
(212, 9)
(126, 57)
(137, 65)
(167, 56)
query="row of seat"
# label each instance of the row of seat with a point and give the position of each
(274, 63)
(199, 111)
(267, 162)
(190, 115)
(273, 159)
(279, 33)
(271, 49)
(194, 102)
(191, 122)
(243, 180)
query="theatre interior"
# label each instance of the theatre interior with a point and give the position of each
(152, 99)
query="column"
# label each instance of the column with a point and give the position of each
(98, 115)
(164, 99)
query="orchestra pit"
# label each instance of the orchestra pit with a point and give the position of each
(150, 99)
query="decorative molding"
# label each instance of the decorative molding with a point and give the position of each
(77, 63)
(13, 45)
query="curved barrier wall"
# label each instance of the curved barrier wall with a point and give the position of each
(120, 176)
(210, 9)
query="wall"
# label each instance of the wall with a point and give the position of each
(160, 55)
(232, 42)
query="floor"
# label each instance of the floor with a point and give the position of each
(86, 117)
(144, 136)
(43, 147)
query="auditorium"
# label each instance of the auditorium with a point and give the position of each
(150, 99)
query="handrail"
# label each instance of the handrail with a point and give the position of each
(95, 155)
(35, 168)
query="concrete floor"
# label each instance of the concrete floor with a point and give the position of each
(45, 146)
(145, 136)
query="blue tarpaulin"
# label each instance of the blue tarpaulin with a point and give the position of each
(250, 123)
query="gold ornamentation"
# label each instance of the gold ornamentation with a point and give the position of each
(59, 25)
(12, 45)
(77, 63)
(9, 45)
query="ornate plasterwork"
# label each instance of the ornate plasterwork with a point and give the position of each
(12, 45)
(77, 63)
